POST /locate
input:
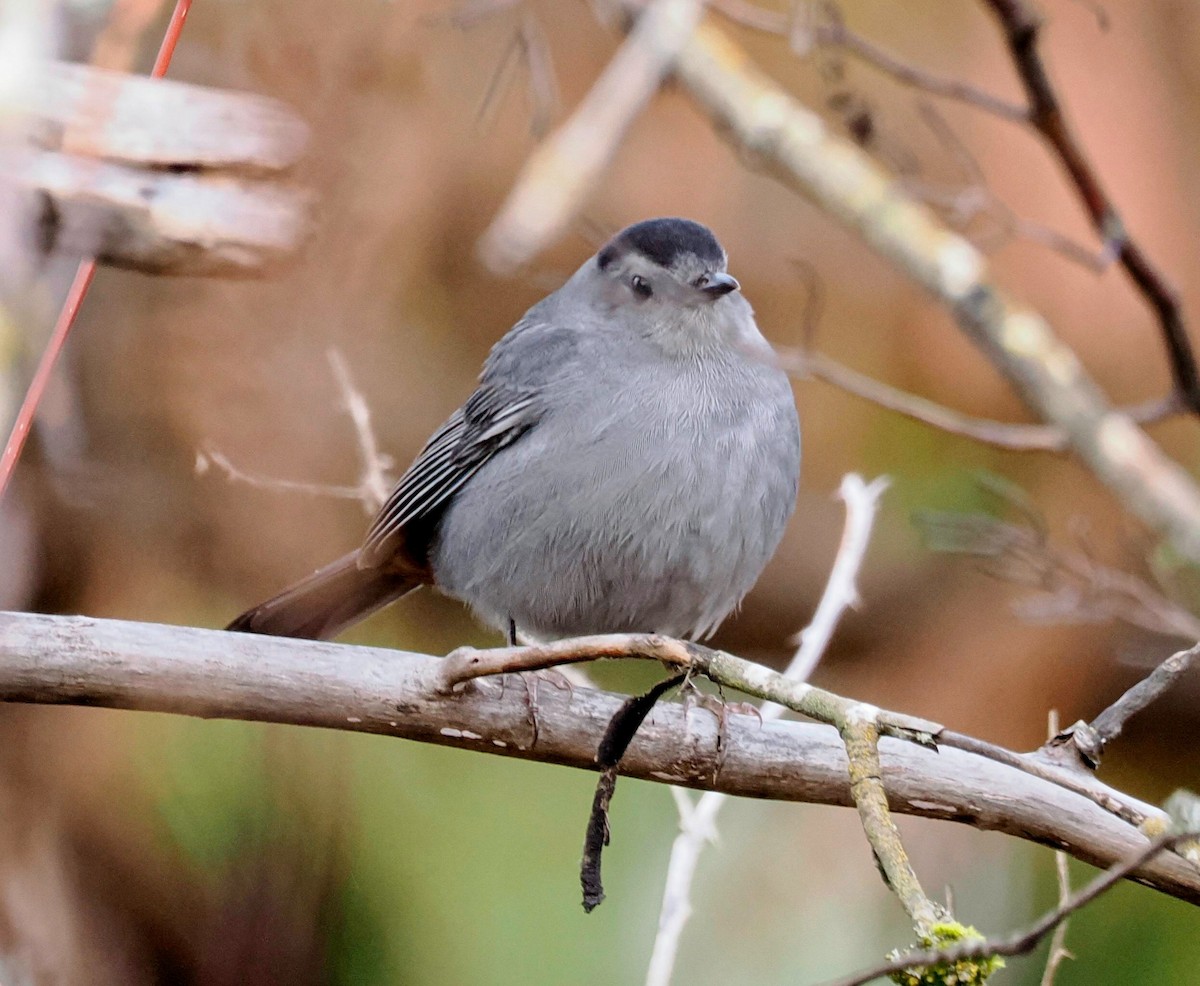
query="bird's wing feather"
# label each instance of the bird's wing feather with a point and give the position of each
(492, 419)
(507, 403)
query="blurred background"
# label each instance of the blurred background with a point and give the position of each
(140, 848)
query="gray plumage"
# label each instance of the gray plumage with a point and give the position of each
(627, 463)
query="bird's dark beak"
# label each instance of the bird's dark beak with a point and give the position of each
(716, 284)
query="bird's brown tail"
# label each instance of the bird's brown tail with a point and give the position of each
(327, 602)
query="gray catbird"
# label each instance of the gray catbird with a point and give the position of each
(627, 463)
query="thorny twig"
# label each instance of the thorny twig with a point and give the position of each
(1025, 941)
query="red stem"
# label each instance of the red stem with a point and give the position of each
(78, 290)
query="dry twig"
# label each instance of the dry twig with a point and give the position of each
(374, 482)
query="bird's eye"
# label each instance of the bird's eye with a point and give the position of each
(641, 287)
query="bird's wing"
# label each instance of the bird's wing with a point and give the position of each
(493, 418)
(507, 403)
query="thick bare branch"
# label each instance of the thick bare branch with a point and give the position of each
(1083, 743)
(115, 664)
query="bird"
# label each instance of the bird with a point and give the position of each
(627, 463)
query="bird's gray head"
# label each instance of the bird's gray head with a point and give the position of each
(665, 262)
(665, 280)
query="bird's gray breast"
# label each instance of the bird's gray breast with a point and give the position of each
(648, 498)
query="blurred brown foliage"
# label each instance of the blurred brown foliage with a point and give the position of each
(408, 174)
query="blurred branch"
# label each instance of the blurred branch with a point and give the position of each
(1018, 437)
(1072, 585)
(794, 144)
(1025, 941)
(102, 172)
(212, 674)
(561, 173)
(529, 50)
(697, 821)
(158, 221)
(84, 273)
(1022, 26)
(160, 123)
(962, 206)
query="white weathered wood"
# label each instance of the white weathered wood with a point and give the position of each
(159, 122)
(81, 661)
(158, 221)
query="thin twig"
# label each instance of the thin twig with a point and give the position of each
(374, 484)
(966, 204)
(1001, 434)
(697, 822)
(1026, 941)
(208, 457)
(562, 172)
(1058, 950)
(837, 34)
(1022, 29)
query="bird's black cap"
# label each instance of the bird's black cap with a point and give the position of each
(664, 241)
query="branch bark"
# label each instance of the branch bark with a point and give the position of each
(187, 671)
